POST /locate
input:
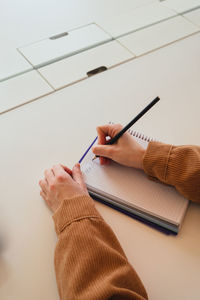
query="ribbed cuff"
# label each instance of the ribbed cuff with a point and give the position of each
(74, 209)
(156, 159)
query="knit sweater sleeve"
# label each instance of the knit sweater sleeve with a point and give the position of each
(175, 165)
(89, 261)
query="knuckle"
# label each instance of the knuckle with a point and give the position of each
(98, 129)
(115, 129)
(60, 177)
(118, 126)
(51, 187)
(99, 126)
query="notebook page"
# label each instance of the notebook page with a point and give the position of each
(133, 187)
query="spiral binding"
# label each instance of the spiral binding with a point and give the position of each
(140, 136)
(137, 134)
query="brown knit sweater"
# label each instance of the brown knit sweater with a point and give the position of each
(89, 261)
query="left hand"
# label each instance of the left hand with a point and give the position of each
(60, 183)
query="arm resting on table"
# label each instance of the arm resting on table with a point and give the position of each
(89, 261)
(175, 165)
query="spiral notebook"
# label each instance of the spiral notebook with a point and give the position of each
(130, 191)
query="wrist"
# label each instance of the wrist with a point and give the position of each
(76, 208)
(140, 158)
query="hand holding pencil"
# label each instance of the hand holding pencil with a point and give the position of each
(121, 147)
(126, 151)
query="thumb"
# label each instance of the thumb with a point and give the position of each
(77, 175)
(103, 150)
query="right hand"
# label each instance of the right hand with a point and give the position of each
(125, 151)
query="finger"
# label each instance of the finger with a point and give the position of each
(60, 173)
(45, 198)
(49, 176)
(104, 160)
(77, 176)
(69, 171)
(102, 134)
(43, 195)
(43, 184)
(103, 150)
(107, 130)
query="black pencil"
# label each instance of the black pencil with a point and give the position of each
(119, 134)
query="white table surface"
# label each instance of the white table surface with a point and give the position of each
(22, 89)
(25, 22)
(57, 129)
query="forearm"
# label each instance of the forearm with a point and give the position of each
(89, 261)
(175, 165)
